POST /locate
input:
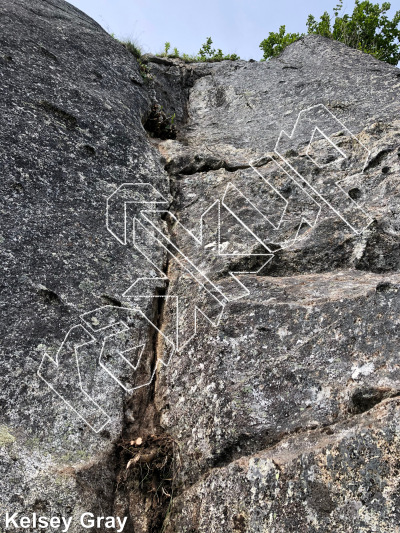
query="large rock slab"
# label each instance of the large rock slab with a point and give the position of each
(344, 478)
(72, 103)
(278, 409)
(308, 342)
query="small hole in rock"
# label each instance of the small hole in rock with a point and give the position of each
(47, 53)
(49, 296)
(18, 187)
(355, 194)
(159, 125)
(109, 300)
(384, 286)
(88, 150)
(304, 226)
(364, 399)
(385, 170)
(64, 116)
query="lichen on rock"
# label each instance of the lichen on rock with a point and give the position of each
(279, 414)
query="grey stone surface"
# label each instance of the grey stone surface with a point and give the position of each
(72, 102)
(341, 479)
(282, 416)
(314, 344)
(243, 106)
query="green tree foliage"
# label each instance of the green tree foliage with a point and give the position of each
(206, 53)
(276, 42)
(368, 29)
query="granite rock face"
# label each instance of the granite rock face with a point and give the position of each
(271, 216)
(286, 412)
(72, 106)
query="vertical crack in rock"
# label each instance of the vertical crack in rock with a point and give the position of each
(304, 357)
(311, 354)
(146, 453)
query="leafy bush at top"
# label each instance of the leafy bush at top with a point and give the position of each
(276, 42)
(206, 53)
(367, 29)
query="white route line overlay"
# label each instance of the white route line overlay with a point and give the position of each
(320, 196)
(147, 195)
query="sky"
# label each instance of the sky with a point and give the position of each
(236, 26)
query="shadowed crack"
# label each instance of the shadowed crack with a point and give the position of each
(250, 445)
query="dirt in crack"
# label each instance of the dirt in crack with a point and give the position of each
(147, 458)
(159, 125)
(146, 477)
(146, 455)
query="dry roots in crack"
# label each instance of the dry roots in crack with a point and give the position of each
(147, 466)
